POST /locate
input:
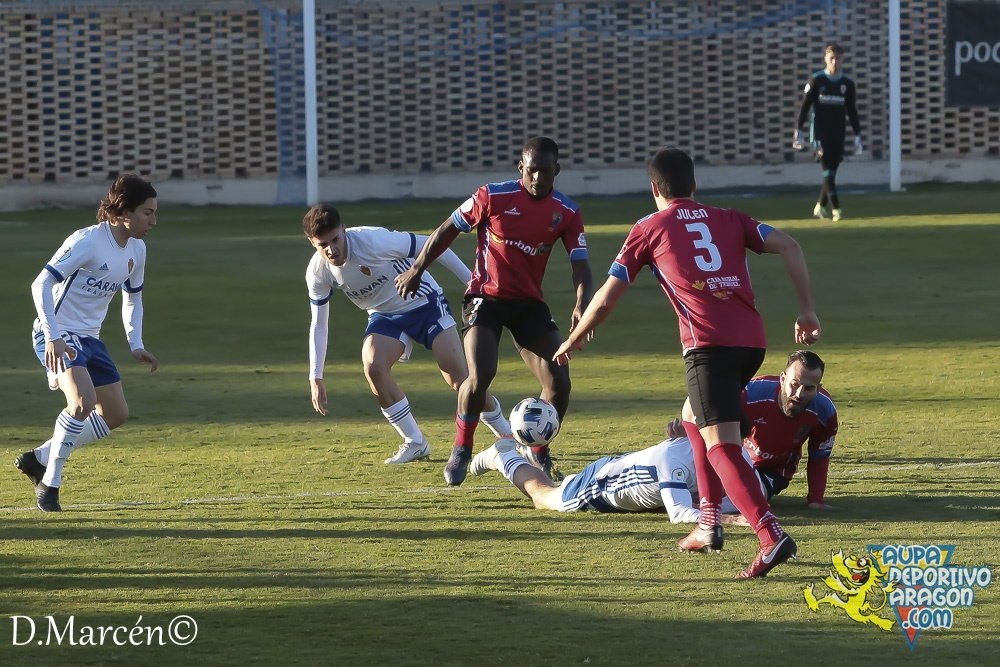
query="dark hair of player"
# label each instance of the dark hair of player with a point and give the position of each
(672, 170)
(320, 219)
(127, 193)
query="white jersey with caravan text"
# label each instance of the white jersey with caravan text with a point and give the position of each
(375, 256)
(90, 267)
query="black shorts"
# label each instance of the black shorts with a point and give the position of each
(831, 153)
(716, 377)
(773, 482)
(527, 319)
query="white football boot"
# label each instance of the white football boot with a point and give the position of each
(489, 458)
(410, 451)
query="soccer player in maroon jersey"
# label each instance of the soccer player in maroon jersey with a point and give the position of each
(517, 224)
(780, 413)
(698, 255)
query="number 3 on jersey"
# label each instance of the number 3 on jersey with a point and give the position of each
(704, 242)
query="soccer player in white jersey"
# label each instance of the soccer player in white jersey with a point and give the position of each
(72, 294)
(363, 263)
(661, 477)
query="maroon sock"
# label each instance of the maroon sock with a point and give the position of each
(709, 485)
(743, 489)
(465, 430)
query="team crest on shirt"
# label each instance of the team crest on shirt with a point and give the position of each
(843, 88)
(698, 284)
(131, 264)
(365, 270)
(556, 219)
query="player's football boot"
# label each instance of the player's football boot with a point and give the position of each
(837, 215)
(458, 466)
(770, 557)
(29, 465)
(543, 459)
(489, 458)
(819, 212)
(702, 539)
(410, 451)
(48, 498)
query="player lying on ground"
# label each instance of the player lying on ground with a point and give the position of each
(781, 414)
(653, 479)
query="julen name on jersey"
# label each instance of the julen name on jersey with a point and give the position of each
(696, 214)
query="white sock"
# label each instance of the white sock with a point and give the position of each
(94, 428)
(65, 434)
(495, 420)
(402, 420)
(42, 452)
(511, 461)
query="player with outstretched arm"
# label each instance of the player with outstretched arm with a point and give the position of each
(698, 255)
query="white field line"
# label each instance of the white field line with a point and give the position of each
(237, 500)
(916, 466)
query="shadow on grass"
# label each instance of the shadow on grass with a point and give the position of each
(350, 628)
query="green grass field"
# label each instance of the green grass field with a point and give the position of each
(227, 499)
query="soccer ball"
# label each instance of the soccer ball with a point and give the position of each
(534, 422)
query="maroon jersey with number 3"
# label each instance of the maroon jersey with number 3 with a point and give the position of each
(698, 255)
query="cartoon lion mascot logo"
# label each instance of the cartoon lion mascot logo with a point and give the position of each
(856, 583)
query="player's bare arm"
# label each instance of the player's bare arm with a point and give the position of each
(807, 326)
(408, 282)
(583, 281)
(146, 357)
(598, 310)
(54, 350)
(319, 399)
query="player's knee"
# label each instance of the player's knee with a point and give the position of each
(116, 418)
(453, 380)
(376, 374)
(81, 408)
(478, 383)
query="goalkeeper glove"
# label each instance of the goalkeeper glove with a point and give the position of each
(859, 147)
(799, 140)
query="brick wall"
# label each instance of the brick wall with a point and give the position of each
(211, 90)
